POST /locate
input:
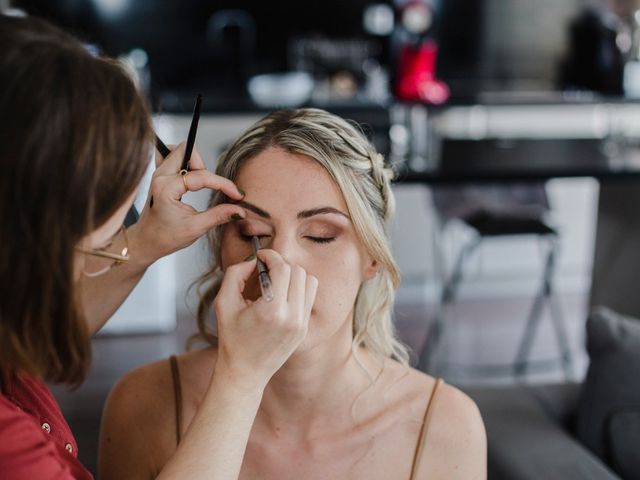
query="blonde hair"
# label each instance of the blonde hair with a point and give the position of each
(365, 182)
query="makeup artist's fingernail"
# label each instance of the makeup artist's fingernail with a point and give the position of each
(241, 192)
(236, 216)
(250, 257)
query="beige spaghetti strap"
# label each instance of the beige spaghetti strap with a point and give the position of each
(424, 429)
(177, 390)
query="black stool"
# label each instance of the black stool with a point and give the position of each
(486, 225)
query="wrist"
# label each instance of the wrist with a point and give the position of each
(141, 257)
(242, 383)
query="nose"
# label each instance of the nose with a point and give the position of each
(287, 246)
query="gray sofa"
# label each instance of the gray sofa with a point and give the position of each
(571, 431)
(531, 434)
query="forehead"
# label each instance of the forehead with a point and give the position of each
(282, 180)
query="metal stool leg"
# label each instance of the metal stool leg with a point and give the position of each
(521, 362)
(557, 318)
(563, 341)
(428, 354)
(546, 293)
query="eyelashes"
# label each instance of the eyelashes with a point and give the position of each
(321, 240)
(247, 238)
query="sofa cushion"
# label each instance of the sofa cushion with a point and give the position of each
(559, 401)
(624, 440)
(609, 405)
(525, 443)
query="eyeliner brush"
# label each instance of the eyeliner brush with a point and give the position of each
(263, 275)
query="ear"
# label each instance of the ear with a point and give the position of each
(371, 269)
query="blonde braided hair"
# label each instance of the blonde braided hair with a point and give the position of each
(365, 182)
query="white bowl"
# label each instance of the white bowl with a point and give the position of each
(280, 90)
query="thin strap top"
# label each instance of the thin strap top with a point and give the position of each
(424, 429)
(177, 391)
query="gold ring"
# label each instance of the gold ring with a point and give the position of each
(183, 173)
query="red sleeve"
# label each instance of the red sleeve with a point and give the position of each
(25, 451)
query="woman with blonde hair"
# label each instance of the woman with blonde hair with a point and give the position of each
(345, 404)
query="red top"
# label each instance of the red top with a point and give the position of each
(35, 440)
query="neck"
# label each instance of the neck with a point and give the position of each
(318, 384)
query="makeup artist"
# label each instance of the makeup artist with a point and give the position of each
(74, 143)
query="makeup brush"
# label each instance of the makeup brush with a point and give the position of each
(191, 140)
(263, 275)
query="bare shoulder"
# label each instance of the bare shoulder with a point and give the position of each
(149, 390)
(153, 384)
(456, 444)
(456, 419)
(139, 420)
(142, 393)
(147, 381)
(131, 419)
(455, 441)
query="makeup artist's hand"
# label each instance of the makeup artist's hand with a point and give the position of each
(256, 338)
(170, 224)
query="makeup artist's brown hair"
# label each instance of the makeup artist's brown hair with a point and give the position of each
(364, 179)
(74, 144)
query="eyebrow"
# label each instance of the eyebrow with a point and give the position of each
(321, 211)
(303, 214)
(253, 208)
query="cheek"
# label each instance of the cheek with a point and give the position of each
(338, 284)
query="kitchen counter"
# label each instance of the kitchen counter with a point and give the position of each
(511, 142)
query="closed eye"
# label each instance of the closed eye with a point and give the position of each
(247, 238)
(322, 239)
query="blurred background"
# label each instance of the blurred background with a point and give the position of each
(514, 127)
